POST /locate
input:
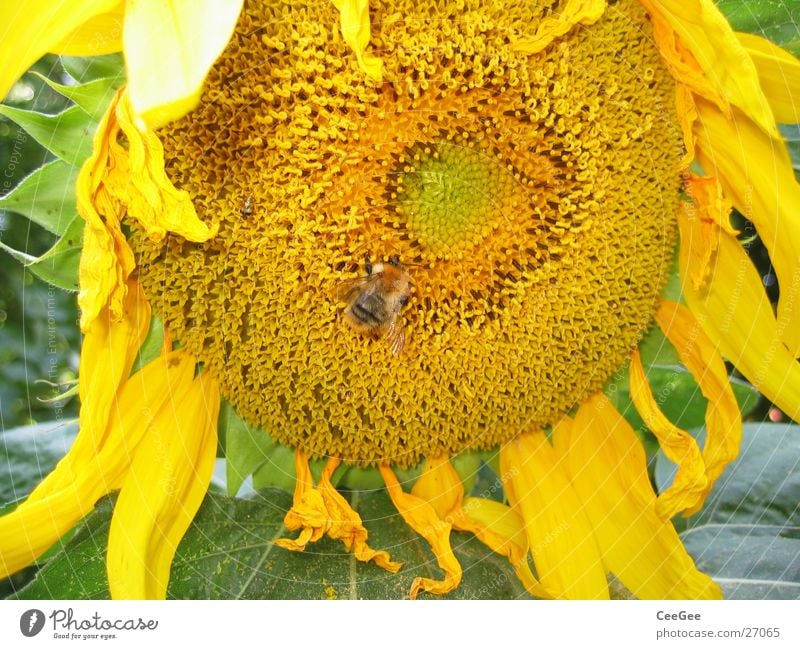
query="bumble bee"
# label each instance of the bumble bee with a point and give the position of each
(375, 300)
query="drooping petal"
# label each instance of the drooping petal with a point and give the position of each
(726, 68)
(779, 75)
(501, 529)
(87, 472)
(701, 358)
(116, 181)
(440, 486)
(107, 354)
(170, 45)
(756, 174)
(575, 12)
(420, 516)
(355, 28)
(32, 29)
(735, 312)
(690, 481)
(608, 470)
(561, 540)
(164, 486)
(321, 511)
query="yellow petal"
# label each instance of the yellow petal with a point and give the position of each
(116, 181)
(163, 489)
(608, 470)
(107, 354)
(170, 45)
(440, 486)
(733, 309)
(710, 202)
(101, 34)
(323, 510)
(756, 174)
(355, 28)
(500, 528)
(346, 524)
(575, 12)
(779, 74)
(33, 28)
(690, 481)
(561, 540)
(728, 71)
(701, 358)
(420, 516)
(87, 472)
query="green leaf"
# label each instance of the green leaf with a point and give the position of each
(67, 134)
(59, 265)
(747, 537)
(46, 197)
(229, 553)
(29, 453)
(773, 19)
(93, 97)
(88, 68)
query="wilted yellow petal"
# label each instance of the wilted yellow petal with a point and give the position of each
(561, 540)
(420, 516)
(170, 45)
(356, 32)
(118, 180)
(680, 447)
(711, 204)
(163, 488)
(32, 29)
(701, 358)
(728, 71)
(608, 470)
(779, 74)
(575, 12)
(756, 174)
(323, 510)
(735, 312)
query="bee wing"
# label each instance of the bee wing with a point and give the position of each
(346, 288)
(396, 337)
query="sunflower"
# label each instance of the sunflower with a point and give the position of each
(531, 169)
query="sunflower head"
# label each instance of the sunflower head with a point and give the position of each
(530, 198)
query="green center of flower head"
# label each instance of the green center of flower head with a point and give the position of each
(452, 195)
(530, 200)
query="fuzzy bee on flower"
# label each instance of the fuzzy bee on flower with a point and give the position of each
(374, 301)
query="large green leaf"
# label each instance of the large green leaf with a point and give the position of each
(748, 534)
(776, 20)
(67, 134)
(46, 197)
(29, 453)
(228, 553)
